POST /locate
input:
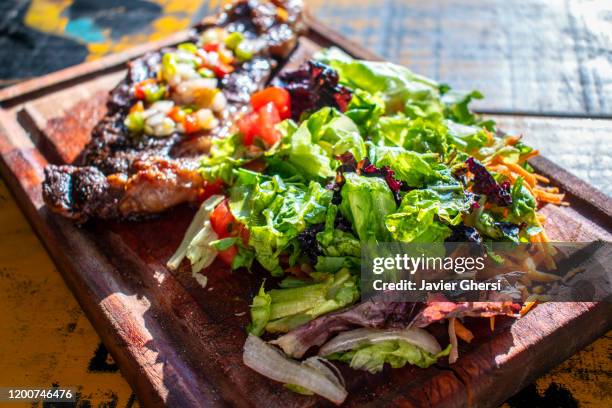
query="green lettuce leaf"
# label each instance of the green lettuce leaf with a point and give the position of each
(396, 353)
(311, 148)
(260, 312)
(341, 249)
(456, 106)
(366, 201)
(225, 155)
(275, 212)
(420, 215)
(365, 110)
(281, 310)
(416, 169)
(197, 244)
(401, 89)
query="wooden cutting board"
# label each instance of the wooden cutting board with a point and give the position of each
(181, 345)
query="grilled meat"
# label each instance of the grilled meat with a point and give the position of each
(151, 186)
(121, 174)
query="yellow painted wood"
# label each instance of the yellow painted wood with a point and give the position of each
(45, 338)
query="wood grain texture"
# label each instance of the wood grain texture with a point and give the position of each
(535, 56)
(179, 345)
(581, 146)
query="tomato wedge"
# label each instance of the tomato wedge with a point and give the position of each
(211, 47)
(279, 96)
(246, 125)
(227, 255)
(260, 124)
(224, 224)
(221, 220)
(191, 124)
(177, 114)
(267, 119)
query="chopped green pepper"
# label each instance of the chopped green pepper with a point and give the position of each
(189, 47)
(206, 73)
(169, 66)
(154, 93)
(233, 40)
(244, 51)
(134, 122)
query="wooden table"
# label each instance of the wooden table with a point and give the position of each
(543, 77)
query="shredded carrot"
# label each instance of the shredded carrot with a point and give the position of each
(492, 323)
(512, 140)
(528, 156)
(554, 190)
(541, 178)
(463, 332)
(548, 197)
(527, 307)
(529, 178)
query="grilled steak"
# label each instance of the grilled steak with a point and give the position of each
(128, 172)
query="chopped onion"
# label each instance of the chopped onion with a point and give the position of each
(272, 363)
(165, 128)
(155, 119)
(187, 91)
(325, 367)
(206, 119)
(219, 102)
(367, 336)
(162, 106)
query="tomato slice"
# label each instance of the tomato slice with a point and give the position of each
(177, 114)
(221, 220)
(279, 96)
(221, 69)
(227, 255)
(191, 124)
(267, 118)
(211, 188)
(246, 125)
(139, 88)
(260, 124)
(224, 224)
(210, 47)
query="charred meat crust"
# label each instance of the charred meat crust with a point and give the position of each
(79, 192)
(120, 175)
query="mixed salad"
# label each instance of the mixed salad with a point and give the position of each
(340, 153)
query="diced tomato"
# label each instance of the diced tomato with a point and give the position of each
(279, 96)
(242, 231)
(191, 124)
(177, 114)
(224, 224)
(222, 69)
(139, 88)
(139, 92)
(260, 124)
(221, 220)
(227, 255)
(268, 117)
(246, 125)
(211, 47)
(210, 189)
